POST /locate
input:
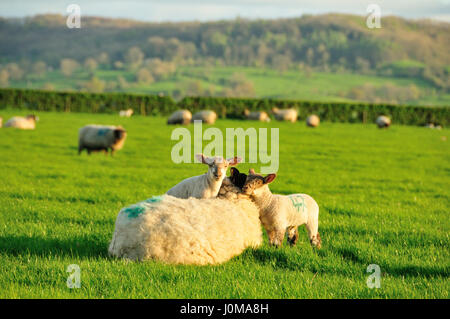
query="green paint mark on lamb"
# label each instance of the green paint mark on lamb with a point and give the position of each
(154, 199)
(298, 202)
(102, 132)
(134, 211)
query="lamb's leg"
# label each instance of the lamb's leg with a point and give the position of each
(313, 234)
(276, 237)
(292, 235)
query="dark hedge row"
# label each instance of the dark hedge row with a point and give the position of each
(225, 107)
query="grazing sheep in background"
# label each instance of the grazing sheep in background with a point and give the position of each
(208, 117)
(23, 123)
(383, 121)
(257, 116)
(180, 117)
(281, 213)
(285, 115)
(313, 121)
(208, 184)
(1, 121)
(96, 138)
(186, 231)
(126, 113)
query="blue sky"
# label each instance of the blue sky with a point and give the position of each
(208, 10)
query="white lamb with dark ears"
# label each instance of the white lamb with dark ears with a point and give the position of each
(281, 213)
(208, 184)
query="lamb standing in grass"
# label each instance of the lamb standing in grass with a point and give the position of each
(208, 184)
(280, 213)
(96, 138)
(285, 115)
(23, 123)
(188, 231)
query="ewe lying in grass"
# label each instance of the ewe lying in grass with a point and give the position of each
(280, 213)
(23, 123)
(208, 184)
(188, 231)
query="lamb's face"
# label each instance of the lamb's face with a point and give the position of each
(252, 183)
(255, 182)
(217, 165)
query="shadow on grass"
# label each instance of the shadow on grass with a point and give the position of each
(396, 270)
(81, 246)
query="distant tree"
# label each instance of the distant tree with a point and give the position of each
(144, 76)
(281, 62)
(134, 58)
(95, 85)
(4, 78)
(118, 65)
(122, 83)
(103, 58)
(310, 56)
(39, 68)
(111, 86)
(15, 72)
(48, 87)
(90, 64)
(68, 66)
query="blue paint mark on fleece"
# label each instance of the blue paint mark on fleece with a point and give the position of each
(102, 131)
(136, 210)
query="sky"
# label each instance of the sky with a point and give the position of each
(210, 10)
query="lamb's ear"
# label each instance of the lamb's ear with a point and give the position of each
(201, 158)
(234, 161)
(234, 172)
(251, 171)
(269, 178)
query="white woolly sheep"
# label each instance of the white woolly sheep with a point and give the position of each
(208, 184)
(257, 116)
(23, 123)
(285, 115)
(383, 121)
(281, 213)
(313, 121)
(96, 138)
(208, 117)
(126, 113)
(186, 231)
(180, 117)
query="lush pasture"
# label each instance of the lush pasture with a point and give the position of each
(268, 83)
(384, 197)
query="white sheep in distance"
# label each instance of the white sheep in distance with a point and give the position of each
(290, 115)
(281, 213)
(23, 123)
(180, 117)
(256, 116)
(208, 184)
(313, 121)
(1, 121)
(207, 117)
(96, 138)
(187, 231)
(126, 113)
(383, 121)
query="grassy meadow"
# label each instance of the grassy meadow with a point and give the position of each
(384, 198)
(268, 83)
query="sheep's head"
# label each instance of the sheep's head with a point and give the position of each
(217, 165)
(255, 181)
(237, 178)
(119, 134)
(32, 117)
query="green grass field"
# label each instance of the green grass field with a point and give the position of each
(268, 83)
(384, 197)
